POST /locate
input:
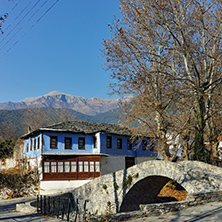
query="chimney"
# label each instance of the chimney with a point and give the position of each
(29, 129)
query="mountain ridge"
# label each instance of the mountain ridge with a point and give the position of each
(55, 99)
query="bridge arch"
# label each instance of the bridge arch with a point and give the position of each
(124, 190)
(144, 191)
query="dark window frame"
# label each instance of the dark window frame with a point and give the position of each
(129, 144)
(144, 145)
(53, 142)
(31, 144)
(119, 143)
(152, 145)
(68, 143)
(34, 143)
(95, 142)
(81, 143)
(38, 145)
(109, 142)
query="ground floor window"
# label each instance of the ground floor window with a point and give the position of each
(66, 167)
(97, 166)
(53, 167)
(78, 167)
(46, 167)
(73, 166)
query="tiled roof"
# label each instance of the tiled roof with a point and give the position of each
(79, 126)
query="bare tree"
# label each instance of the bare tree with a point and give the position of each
(35, 118)
(164, 52)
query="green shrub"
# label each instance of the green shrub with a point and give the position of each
(6, 147)
(116, 187)
(104, 186)
(128, 181)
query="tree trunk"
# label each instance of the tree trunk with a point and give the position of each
(200, 151)
(163, 146)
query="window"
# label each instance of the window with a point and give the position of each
(129, 144)
(95, 142)
(119, 143)
(38, 145)
(31, 145)
(60, 167)
(151, 145)
(144, 144)
(67, 167)
(68, 143)
(53, 167)
(27, 147)
(91, 166)
(53, 142)
(109, 142)
(35, 144)
(81, 143)
(86, 166)
(73, 166)
(46, 167)
(80, 166)
(97, 166)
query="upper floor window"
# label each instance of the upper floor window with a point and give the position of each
(95, 142)
(27, 147)
(38, 143)
(119, 143)
(108, 142)
(35, 144)
(151, 145)
(81, 143)
(144, 144)
(68, 143)
(30, 144)
(129, 144)
(53, 142)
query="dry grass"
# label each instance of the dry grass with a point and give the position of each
(171, 191)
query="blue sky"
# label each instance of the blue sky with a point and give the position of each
(61, 52)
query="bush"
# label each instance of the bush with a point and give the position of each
(16, 182)
(6, 148)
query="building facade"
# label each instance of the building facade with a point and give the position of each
(79, 151)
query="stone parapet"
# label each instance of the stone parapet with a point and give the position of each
(204, 197)
(157, 209)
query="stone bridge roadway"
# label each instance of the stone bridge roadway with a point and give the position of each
(124, 190)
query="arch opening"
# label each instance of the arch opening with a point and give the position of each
(172, 191)
(147, 191)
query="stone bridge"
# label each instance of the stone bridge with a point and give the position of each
(124, 190)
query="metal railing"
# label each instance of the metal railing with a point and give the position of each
(59, 206)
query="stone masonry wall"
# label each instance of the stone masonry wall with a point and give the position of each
(111, 193)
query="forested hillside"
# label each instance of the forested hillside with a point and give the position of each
(14, 123)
